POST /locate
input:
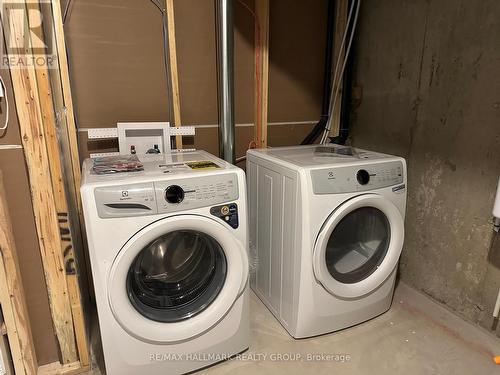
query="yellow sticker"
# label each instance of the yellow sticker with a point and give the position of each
(206, 164)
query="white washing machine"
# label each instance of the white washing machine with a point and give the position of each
(326, 233)
(168, 251)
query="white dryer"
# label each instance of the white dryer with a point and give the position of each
(326, 233)
(168, 251)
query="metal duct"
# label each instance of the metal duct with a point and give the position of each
(225, 75)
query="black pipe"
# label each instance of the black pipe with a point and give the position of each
(345, 111)
(327, 76)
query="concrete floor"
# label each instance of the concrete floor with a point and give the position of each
(416, 336)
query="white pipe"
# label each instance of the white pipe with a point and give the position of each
(496, 310)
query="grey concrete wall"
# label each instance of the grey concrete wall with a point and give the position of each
(430, 73)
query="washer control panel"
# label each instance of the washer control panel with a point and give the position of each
(168, 196)
(357, 178)
(189, 193)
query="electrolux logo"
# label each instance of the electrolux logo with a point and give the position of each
(27, 29)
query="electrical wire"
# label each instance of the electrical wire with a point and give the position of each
(337, 79)
(66, 11)
(6, 123)
(166, 64)
(240, 159)
(158, 6)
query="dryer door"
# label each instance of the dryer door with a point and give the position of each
(358, 246)
(176, 278)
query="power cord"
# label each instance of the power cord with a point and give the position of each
(338, 79)
(6, 123)
(166, 64)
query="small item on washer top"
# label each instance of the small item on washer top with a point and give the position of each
(335, 151)
(202, 165)
(117, 164)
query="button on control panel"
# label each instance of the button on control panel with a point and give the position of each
(357, 178)
(189, 193)
(227, 213)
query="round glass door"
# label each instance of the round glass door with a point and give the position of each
(358, 245)
(176, 276)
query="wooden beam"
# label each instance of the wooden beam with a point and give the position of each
(33, 139)
(174, 75)
(60, 197)
(56, 368)
(341, 9)
(12, 298)
(261, 72)
(69, 112)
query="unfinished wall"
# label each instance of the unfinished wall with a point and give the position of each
(117, 72)
(431, 93)
(17, 189)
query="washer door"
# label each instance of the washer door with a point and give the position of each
(176, 278)
(358, 246)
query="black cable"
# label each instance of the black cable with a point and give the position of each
(165, 55)
(66, 10)
(346, 101)
(157, 5)
(327, 76)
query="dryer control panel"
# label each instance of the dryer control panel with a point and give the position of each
(357, 178)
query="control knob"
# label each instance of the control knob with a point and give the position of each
(174, 194)
(363, 177)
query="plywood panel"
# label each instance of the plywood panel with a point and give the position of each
(21, 213)
(297, 38)
(116, 63)
(11, 135)
(117, 73)
(12, 297)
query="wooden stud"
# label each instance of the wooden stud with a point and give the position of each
(33, 139)
(261, 72)
(69, 112)
(174, 75)
(12, 298)
(341, 9)
(56, 368)
(60, 199)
